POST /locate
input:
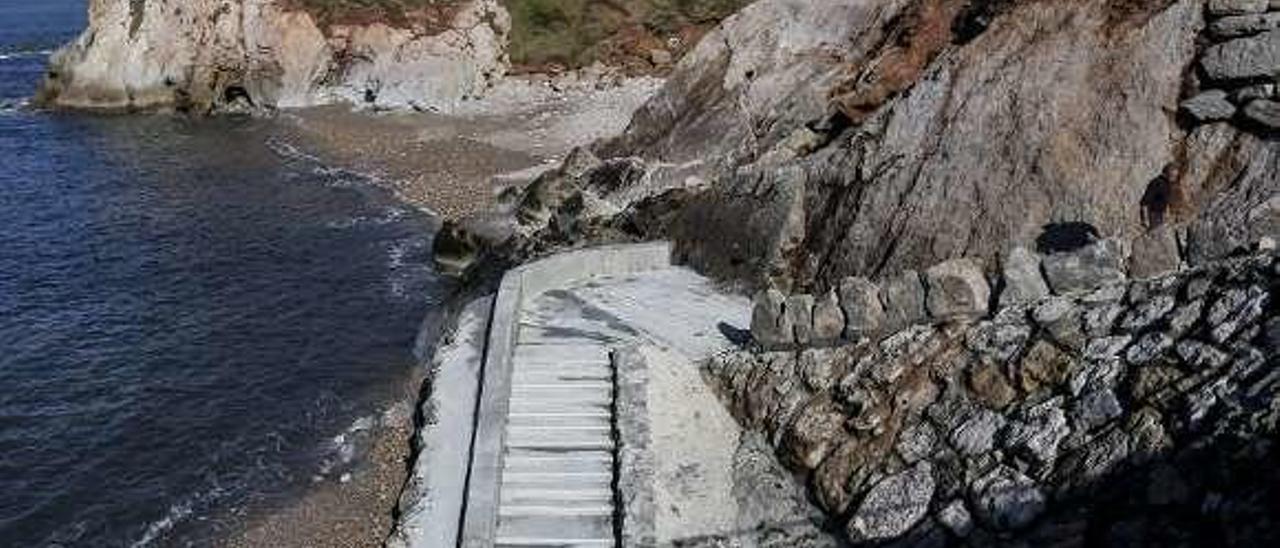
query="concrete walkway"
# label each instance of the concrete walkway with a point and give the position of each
(558, 466)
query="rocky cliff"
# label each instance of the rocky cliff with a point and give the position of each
(805, 141)
(227, 54)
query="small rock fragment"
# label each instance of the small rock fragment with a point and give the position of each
(956, 518)
(894, 505)
(1007, 500)
(977, 435)
(1209, 106)
(1263, 112)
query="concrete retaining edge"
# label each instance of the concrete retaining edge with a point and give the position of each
(480, 512)
(634, 465)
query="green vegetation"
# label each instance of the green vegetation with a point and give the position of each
(568, 33)
(577, 32)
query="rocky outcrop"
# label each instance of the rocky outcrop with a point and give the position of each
(1132, 413)
(253, 54)
(871, 137)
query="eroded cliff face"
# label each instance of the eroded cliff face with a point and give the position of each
(211, 54)
(866, 137)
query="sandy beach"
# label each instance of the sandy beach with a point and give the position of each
(456, 164)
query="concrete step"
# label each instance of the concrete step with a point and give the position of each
(522, 374)
(525, 406)
(597, 419)
(520, 435)
(540, 461)
(599, 479)
(570, 528)
(525, 496)
(592, 385)
(563, 394)
(561, 353)
(589, 509)
(552, 542)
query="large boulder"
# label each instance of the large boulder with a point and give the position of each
(1243, 58)
(770, 325)
(956, 289)
(863, 311)
(1020, 274)
(1089, 267)
(904, 301)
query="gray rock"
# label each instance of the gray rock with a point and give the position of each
(1023, 282)
(863, 312)
(816, 369)
(1106, 348)
(1237, 7)
(1256, 91)
(1155, 252)
(956, 289)
(1243, 58)
(1200, 356)
(770, 327)
(1146, 313)
(1263, 111)
(894, 505)
(997, 340)
(1236, 26)
(1099, 319)
(1209, 106)
(1147, 348)
(1095, 409)
(1092, 376)
(956, 518)
(1005, 499)
(1234, 310)
(1087, 268)
(916, 442)
(1271, 336)
(904, 301)
(828, 319)
(1184, 318)
(799, 311)
(977, 435)
(1036, 433)
(1060, 317)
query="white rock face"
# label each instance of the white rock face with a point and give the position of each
(205, 54)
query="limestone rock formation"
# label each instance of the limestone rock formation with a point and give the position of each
(230, 54)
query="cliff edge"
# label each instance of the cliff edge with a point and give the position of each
(210, 55)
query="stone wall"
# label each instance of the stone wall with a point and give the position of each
(955, 290)
(1240, 66)
(1130, 413)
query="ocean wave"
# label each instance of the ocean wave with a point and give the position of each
(24, 54)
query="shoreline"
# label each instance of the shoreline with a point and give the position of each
(450, 166)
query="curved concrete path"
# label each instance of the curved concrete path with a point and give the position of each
(548, 478)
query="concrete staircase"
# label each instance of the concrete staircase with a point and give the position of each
(558, 469)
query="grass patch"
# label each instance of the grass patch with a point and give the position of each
(567, 33)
